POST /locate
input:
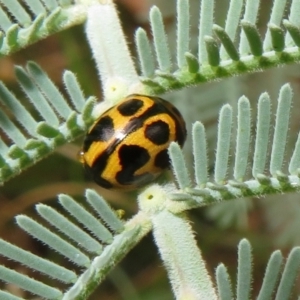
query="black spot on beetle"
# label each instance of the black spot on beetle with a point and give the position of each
(157, 132)
(162, 159)
(102, 131)
(130, 107)
(179, 121)
(132, 158)
(96, 170)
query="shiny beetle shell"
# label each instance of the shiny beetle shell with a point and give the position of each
(127, 147)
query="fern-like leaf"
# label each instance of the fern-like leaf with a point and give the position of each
(205, 191)
(86, 242)
(35, 20)
(219, 54)
(282, 288)
(98, 250)
(31, 139)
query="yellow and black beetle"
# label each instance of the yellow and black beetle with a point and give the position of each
(127, 147)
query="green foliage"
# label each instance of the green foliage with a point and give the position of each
(47, 135)
(35, 21)
(117, 243)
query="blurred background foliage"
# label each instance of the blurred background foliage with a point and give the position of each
(267, 223)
